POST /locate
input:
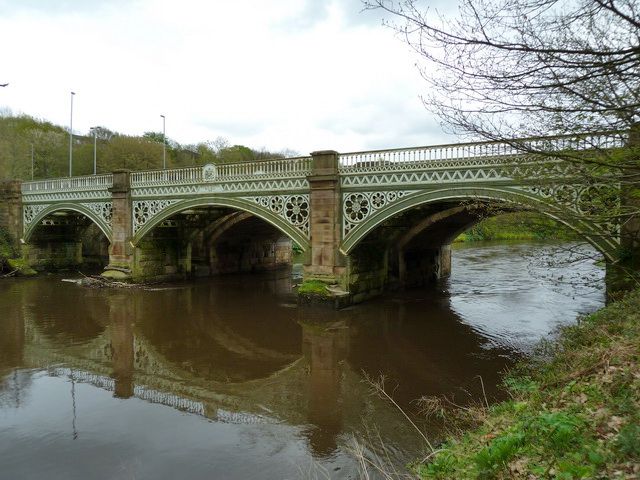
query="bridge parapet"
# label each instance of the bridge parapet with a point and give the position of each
(472, 154)
(286, 168)
(86, 184)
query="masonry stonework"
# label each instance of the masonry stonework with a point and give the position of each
(11, 209)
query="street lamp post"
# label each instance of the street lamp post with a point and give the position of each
(32, 164)
(95, 143)
(71, 138)
(164, 144)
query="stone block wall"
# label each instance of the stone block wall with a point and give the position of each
(11, 209)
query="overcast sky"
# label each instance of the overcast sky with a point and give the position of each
(280, 74)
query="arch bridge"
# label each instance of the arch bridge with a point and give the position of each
(363, 219)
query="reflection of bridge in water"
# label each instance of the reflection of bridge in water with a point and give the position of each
(304, 374)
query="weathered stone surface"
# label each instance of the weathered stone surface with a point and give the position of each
(11, 209)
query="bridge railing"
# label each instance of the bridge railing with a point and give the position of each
(470, 152)
(285, 167)
(282, 167)
(88, 182)
(166, 177)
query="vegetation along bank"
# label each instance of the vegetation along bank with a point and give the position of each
(574, 410)
(516, 226)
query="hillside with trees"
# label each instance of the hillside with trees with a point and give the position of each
(23, 137)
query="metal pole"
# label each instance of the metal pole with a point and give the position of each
(71, 138)
(32, 161)
(95, 143)
(164, 144)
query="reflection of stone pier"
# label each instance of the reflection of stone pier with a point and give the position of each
(325, 348)
(11, 334)
(122, 345)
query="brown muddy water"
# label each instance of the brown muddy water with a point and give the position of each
(227, 379)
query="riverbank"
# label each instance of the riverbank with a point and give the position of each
(516, 226)
(10, 263)
(574, 410)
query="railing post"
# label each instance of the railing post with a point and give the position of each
(325, 262)
(121, 250)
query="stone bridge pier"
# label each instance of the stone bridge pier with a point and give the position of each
(11, 210)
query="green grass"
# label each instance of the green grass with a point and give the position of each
(313, 287)
(9, 259)
(574, 412)
(516, 226)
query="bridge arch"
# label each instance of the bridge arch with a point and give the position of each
(98, 219)
(588, 230)
(240, 204)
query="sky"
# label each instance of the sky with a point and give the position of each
(300, 75)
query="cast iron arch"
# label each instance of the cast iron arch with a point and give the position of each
(238, 204)
(60, 207)
(591, 232)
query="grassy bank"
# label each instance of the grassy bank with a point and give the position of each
(6, 250)
(10, 262)
(574, 410)
(516, 226)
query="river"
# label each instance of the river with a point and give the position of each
(227, 378)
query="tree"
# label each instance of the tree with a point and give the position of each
(101, 133)
(524, 68)
(507, 69)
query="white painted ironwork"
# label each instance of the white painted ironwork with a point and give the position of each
(174, 176)
(471, 154)
(358, 206)
(294, 209)
(145, 210)
(88, 182)
(286, 168)
(280, 168)
(103, 210)
(29, 212)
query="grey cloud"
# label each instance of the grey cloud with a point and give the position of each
(315, 12)
(388, 123)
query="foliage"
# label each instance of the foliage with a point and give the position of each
(513, 68)
(574, 414)
(21, 135)
(6, 248)
(505, 70)
(9, 261)
(516, 226)
(313, 287)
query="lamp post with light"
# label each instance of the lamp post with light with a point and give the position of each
(95, 144)
(71, 138)
(164, 144)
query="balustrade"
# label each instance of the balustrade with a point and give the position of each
(166, 177)
(472, 152)
(88, 182)
(376, 160)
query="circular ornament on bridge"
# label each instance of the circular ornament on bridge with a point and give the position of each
(276, 204)
(378, 200)
(107, 212)
(356, 207)
(209, 172)
(565, 194)
(141, 213)
(297, 210)
(597, 200)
